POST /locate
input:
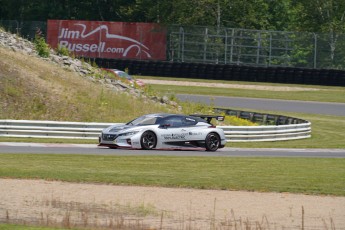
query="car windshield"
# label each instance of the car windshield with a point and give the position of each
(143, 120)
(123, 75)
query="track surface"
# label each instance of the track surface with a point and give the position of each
(337, 109)
(90, 149)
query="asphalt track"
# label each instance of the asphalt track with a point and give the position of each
(326, 108)
(93, 149)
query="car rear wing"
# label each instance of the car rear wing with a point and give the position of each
(208, 118)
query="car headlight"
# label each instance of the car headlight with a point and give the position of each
(128, 133)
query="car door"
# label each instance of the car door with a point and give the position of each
(192, 131)
(172, 130)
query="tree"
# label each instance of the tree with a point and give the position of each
(319, 15)
(280, 15)
(325, 16)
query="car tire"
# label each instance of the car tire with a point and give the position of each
(148, 140)
(212, 142)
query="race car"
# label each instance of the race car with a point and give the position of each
(165, 131)
(124, 75)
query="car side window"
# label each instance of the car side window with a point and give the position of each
(173, 122)
(189, 121)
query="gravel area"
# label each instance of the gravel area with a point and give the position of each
(134, 207)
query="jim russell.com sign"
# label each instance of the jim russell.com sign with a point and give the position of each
(144, 41)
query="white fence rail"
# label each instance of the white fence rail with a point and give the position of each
(51, 129)
(267, 133)
(82, 130)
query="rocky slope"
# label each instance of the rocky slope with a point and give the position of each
(21, 45)
(51, 88)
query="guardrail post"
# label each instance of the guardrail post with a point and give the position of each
(276, 120)
(264, 119)
(251, 117)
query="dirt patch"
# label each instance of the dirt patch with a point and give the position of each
(230, 86)
(111, 206)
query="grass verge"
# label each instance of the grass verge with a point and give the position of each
(321, 94)
(327, 133)
(295, 175)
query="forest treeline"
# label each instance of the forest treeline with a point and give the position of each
(321, 16)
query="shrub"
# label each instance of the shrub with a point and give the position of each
(41, 46)
(236, 121)
(63, 51)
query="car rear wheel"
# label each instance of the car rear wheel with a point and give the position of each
(212, 142)
(148, 140)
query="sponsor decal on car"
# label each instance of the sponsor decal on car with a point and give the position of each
(195, 134)
(181, 136)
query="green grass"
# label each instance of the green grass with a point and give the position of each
(295, 175)
(327, 133)
(323, 94)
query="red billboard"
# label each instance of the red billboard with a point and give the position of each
(97, 39)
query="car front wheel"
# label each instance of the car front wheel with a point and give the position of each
(148, 140)
(212, 142)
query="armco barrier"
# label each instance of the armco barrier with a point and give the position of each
(261, 118)
(266, 133)
(81, 130)
(273, 127)
(51, 129)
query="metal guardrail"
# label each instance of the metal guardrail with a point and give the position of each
(51, 129)
(81, 130)
(266, 133)
(273, 127)
(261, 118)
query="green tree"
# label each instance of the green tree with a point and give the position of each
(319, 15)
(280, 15)
(251, 14)
(323, 16)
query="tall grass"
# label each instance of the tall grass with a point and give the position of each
(84, 217)
(43, 91)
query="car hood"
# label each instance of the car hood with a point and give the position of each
(117, 128)
(121, 128)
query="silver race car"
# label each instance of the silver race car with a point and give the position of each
(165, 131)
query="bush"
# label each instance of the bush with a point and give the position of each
(41, 46)
(236, 121)
(63, 51)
